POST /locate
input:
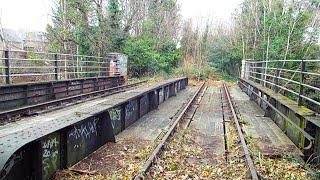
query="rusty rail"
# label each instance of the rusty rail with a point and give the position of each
(249, 160)
(159, 147)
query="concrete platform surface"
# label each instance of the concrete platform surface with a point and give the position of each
(267, 136)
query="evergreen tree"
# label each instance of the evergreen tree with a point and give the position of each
(116, 35)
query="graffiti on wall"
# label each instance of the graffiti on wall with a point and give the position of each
(115, 116)
(130, 109)
(50, 156)
(85, 131)
(131, 112)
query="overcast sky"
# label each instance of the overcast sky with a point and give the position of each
(35, 14)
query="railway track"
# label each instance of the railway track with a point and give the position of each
(185, 118)
(17, 113)
(241, 136)
(205, 138)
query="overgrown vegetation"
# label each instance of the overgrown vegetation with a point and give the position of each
(267, 30)
(156, 39)
(145, 30)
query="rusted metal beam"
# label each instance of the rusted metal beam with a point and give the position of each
(39, 106)
(7, 65)
(56, 67)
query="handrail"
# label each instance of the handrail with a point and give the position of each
(287, 60)
(280, 77)
(51, 53)
(18, 66)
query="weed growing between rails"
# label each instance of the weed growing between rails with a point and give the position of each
(197, 72)
(186, 157)
(183, 157)
(182, 160)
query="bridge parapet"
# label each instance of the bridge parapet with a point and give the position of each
(288, 91)
(296, 79)
(29, 78)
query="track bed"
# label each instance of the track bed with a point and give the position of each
(195, 136)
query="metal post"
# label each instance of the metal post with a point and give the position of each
(264, 72)
(86, 74)
(243, 69)
(302, 78)
(56, 67)
(105, 65)
(99, 66)
(256, 75)
(7, 64)
(65, 67)
(253, 71)
(277, 89)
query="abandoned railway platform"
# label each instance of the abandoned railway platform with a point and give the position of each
(84, 118)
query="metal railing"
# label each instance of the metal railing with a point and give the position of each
(296, 79)
(27, 66)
